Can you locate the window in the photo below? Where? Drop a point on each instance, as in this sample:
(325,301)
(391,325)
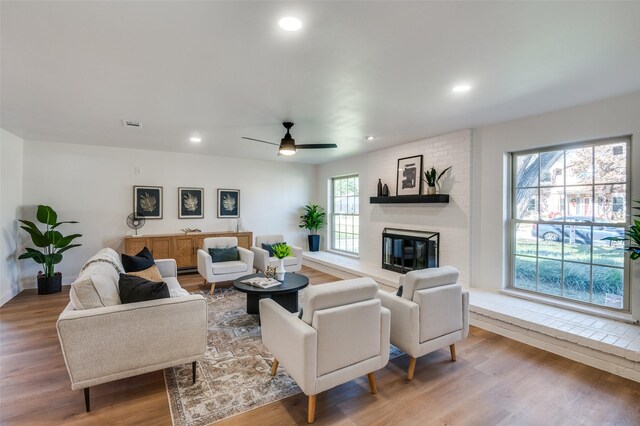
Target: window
(345,207)
(565,201)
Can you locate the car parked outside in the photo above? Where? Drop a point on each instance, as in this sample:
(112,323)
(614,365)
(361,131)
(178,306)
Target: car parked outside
(553,231)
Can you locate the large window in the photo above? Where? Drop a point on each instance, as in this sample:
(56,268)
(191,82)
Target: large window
(345,207)
(565,201)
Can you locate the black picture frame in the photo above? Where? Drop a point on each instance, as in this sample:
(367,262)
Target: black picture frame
(148,201)
(190,203)
(409,176)
(228,203)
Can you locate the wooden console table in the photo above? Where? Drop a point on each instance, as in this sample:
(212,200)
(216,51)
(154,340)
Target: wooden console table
(181,247)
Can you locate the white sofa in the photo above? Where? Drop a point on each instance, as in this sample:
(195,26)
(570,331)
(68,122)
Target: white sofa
(431,313)
(343,334)
(262,259)
(216,272)
(116,341)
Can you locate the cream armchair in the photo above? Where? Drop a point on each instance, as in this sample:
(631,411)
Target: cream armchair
(262,259)
(431,313)
(223,271)
(343,334)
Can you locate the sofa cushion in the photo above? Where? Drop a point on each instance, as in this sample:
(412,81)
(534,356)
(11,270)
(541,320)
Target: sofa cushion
(136,289)
(224,254)
(335,294)
(138,262)
(83,295)
(105,286)
(152,274)
(229,267)
(288,261)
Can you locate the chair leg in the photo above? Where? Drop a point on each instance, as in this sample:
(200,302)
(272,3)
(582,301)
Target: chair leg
(274,367)
(213,287)
(372,383)
(452,348)
(311,415)
(412,368)
(87,401)
(193,371)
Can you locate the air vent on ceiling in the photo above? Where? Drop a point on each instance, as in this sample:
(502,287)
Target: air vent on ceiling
(132,123)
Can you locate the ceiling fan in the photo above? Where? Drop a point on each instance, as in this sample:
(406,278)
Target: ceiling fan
(287,145)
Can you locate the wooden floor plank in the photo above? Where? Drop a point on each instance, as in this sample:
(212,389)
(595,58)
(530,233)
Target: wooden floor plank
(495,381)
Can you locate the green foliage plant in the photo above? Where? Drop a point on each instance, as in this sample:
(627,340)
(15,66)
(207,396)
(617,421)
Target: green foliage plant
(632,236)
(50,243)
(281,250)
(432,177)
(313,219)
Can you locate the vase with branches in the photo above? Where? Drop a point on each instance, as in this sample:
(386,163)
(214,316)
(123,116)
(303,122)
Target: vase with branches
(431,177)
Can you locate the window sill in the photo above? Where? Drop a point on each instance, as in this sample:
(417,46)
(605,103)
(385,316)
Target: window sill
(604,313)
(341,253)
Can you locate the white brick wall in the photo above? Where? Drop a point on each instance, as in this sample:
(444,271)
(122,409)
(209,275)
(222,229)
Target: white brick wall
(451,220)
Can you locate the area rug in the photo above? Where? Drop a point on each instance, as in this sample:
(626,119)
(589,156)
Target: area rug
(235,374)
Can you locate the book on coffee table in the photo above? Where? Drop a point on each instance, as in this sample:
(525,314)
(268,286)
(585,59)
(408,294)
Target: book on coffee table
(262,282)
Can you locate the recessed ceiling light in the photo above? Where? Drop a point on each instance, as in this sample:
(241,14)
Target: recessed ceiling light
(369,138)
(461,88)
(289,23)
(195,139)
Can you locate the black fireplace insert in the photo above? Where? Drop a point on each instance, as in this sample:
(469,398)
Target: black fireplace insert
(405,250)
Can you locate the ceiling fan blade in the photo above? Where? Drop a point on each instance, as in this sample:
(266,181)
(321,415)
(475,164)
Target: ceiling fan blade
(316,145)
(258,140)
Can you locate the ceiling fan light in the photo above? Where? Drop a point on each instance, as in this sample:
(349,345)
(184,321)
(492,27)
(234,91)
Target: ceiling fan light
(287,146)
(287,151)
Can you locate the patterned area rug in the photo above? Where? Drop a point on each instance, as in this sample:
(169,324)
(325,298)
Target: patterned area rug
(235,374)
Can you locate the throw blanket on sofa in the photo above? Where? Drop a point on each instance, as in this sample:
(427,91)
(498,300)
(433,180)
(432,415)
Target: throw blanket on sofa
(109,261)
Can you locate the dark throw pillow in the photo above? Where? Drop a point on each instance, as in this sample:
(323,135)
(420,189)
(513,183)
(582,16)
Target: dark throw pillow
(269,248)
(137,262)
(399,293)
(224,254)
(135,289)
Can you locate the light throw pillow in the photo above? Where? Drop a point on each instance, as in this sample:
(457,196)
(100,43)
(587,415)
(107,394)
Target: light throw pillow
(224,254)
(269,248)
(83,295)
(151,274)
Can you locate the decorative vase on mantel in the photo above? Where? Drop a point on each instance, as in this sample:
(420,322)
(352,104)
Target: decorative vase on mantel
(280,271)
(379,188)
(431,190)
(385,190)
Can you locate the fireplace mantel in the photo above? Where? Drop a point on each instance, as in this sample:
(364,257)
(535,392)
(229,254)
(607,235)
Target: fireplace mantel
(414,199)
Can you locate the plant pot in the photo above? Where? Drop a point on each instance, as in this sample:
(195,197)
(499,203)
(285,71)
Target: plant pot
(314,242)
(49,285)
(431,190)
(280,271)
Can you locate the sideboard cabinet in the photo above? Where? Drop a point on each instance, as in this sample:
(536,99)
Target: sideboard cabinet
(181,247)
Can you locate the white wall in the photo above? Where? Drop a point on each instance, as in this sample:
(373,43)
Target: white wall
(451,220)
(93,185)
(10,202)
(611,117)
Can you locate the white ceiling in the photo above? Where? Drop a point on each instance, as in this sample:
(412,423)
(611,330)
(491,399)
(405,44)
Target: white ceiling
(71,71)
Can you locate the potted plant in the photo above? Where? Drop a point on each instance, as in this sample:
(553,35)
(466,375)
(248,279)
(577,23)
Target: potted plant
(313,219)
(51,244)
(281,251)
(632,236)
(432,177)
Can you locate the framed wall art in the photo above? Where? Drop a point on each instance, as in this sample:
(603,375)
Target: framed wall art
(228,203)
(409,179)
(190,203)
(148,201)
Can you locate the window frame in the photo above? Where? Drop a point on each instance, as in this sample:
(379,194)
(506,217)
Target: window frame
(334,214)
(512,221)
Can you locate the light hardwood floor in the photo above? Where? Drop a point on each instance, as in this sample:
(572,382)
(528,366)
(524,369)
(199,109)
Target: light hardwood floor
(495,381)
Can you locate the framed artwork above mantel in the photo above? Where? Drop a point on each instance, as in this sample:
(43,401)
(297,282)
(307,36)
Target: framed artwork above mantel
(409,176)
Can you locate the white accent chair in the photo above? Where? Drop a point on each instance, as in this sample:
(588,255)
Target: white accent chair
(262,259)
(223,271)
(432,312)
(343,334)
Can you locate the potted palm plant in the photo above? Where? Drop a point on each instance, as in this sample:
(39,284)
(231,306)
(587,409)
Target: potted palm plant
(281,251)
(632,236)
(313,219)
(50,246)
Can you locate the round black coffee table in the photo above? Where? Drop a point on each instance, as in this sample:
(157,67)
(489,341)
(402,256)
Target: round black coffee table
(285,294)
